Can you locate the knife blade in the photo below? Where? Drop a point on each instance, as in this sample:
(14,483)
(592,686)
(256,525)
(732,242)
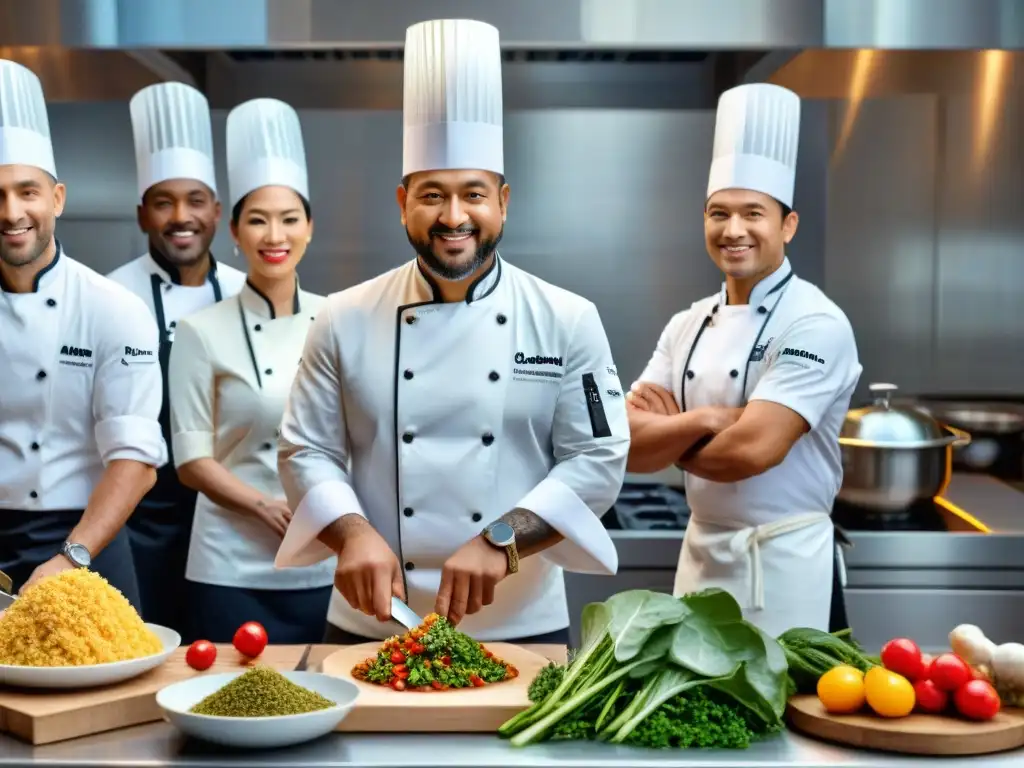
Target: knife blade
(404,615)
(7,597)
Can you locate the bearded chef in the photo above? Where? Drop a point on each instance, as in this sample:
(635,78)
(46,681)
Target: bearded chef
(753,384)
(79,432)
(178,211)
(456,428)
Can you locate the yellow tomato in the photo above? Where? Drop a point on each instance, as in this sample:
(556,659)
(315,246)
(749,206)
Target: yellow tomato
(887,693)
(841,689)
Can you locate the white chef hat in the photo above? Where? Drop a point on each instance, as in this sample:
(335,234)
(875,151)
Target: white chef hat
(24,125)
(173,135)
(452,110)
(757,132)
(264,147)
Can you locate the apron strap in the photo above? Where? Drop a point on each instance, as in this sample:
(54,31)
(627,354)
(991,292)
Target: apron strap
(749,540)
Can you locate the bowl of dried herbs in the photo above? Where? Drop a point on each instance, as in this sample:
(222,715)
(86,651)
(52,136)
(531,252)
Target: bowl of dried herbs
(258,708)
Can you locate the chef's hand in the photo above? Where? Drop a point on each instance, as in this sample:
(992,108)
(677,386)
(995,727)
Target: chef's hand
(275,513)
(468,579)
(51,567)
(652,398)
(368,573)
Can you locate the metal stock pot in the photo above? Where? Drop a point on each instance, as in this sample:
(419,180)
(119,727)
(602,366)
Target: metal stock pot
(894,457)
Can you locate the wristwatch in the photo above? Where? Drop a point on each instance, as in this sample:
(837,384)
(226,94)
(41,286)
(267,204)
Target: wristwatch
(78,554)
(501,535)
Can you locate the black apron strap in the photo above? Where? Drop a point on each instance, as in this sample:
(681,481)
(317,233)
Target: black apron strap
(838,619)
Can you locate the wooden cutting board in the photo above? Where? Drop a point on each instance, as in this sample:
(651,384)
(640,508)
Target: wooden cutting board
(43,717)
(381,709)
(916,734)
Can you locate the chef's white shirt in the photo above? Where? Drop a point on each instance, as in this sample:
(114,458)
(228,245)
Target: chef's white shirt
(805,359)
(433,419)
(231,368)
(81,386)
(176,300)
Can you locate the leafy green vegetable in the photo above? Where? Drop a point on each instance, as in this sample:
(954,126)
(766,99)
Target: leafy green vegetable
(655,670)
(810,653)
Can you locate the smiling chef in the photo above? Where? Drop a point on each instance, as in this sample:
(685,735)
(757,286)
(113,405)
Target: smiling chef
(765,369)
(79,431)
(178,211)
(457,427)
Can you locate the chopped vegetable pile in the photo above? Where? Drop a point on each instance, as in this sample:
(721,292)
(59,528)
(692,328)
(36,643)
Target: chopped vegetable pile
(261,692)
(434,656)
(660,671)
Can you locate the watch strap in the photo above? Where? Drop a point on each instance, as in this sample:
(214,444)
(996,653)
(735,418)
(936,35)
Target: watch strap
(513,558)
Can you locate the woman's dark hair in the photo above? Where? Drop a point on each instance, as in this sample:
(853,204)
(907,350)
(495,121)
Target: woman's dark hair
(236,212)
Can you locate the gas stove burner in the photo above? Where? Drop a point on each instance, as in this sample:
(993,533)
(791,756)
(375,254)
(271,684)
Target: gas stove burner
(925,516)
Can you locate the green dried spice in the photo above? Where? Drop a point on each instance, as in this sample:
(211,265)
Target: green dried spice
(261,692)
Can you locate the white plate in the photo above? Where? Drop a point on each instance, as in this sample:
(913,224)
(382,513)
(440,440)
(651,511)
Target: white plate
(256,732)
(91,675)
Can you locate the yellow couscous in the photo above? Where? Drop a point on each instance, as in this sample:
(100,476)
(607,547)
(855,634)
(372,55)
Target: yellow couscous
(73,619)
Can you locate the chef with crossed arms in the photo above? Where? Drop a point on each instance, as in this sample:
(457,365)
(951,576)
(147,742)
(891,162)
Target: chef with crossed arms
(747,389)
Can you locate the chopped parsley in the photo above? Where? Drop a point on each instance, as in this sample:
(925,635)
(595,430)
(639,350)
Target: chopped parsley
(434,656)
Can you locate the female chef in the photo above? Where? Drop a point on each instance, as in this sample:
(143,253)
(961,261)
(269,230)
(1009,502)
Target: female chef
(231,369)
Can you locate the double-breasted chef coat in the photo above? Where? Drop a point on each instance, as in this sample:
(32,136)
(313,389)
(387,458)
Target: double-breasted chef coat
(433,419)
(82,387)
(232,367)
(768,539)
(161,526)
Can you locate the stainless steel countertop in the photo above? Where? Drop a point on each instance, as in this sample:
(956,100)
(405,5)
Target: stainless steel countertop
(160,745)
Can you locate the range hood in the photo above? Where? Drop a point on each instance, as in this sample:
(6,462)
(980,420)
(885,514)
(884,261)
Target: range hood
(334,54)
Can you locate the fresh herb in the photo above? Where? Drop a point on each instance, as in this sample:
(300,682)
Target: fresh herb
(261,692)
(658,671)
(811,653)
(434,656)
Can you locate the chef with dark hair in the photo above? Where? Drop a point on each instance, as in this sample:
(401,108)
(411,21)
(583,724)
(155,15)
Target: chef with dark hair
(747,389)
(79,432)
(178,210)
(457,427)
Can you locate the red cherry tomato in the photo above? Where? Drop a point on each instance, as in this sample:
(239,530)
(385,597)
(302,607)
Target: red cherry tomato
(948,671)
(398,684)
(201,655)
(397,657)
(903,657)
(977,700)
(930,698)
(250,639)
(477,681)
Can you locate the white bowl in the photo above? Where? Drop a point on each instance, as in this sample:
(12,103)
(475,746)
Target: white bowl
(256,732)
(91,675)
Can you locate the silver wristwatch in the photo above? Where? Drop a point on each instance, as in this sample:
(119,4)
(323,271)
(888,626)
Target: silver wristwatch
(78,554)
(501,535)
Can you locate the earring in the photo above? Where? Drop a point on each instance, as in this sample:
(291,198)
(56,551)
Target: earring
(236,250)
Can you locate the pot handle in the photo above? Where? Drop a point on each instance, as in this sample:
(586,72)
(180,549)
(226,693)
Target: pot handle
(962,438)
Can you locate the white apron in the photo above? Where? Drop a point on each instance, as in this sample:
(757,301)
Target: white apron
(777,565)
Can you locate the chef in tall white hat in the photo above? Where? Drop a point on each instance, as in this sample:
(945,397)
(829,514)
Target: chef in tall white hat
(457,427)
(79,432)
(178,211)
(747,389)
(231,368)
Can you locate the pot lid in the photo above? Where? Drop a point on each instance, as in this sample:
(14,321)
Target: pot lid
(884,424)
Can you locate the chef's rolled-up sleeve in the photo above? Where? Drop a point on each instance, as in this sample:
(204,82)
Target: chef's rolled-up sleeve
(313,453)
(815,360)
(128,389)
(191,388)
(590,436)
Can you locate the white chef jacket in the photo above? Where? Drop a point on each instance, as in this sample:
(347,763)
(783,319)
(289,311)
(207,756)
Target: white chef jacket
(82,386)
(795,347)
(433,419)
(229,378)
(176,300)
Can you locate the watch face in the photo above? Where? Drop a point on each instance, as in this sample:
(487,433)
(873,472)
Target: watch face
(79,555)
(501,533)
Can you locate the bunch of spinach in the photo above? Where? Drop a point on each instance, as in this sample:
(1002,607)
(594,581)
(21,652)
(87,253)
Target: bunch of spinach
(645,658)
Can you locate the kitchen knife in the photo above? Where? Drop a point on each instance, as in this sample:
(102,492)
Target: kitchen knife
(404,615)
(6,591)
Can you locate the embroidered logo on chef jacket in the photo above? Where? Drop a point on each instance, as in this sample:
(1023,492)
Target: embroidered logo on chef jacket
(79,357)
(802,354)
(539,366)
(759,351)
(136,356)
